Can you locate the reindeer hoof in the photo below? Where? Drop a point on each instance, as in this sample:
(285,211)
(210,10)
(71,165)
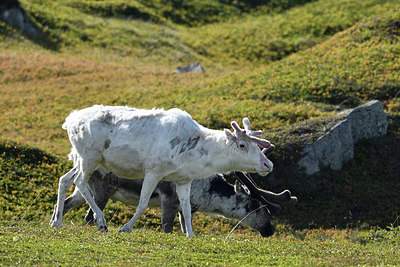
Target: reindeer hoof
(55,224)
(125,229)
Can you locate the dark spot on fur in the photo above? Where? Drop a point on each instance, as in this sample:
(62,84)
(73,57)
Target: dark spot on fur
(208,165)
(219,186)
(190,144)
(107,144)
(107,118)
(174,142)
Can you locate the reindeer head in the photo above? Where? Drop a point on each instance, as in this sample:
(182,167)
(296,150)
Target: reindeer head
(252,211)
(264,199)
(247,144)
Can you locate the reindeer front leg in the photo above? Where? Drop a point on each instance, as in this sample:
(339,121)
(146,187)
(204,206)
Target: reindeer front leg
(149,184)
(183,192)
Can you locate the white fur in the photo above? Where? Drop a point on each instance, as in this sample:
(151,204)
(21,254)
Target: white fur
(151,144)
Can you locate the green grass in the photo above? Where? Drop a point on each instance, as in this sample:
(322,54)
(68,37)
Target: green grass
(149,27)
(355,65)
(270,37)
(36,244)
(28,182)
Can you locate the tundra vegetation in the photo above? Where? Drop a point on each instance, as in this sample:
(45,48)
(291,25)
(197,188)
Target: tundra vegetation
(287,65)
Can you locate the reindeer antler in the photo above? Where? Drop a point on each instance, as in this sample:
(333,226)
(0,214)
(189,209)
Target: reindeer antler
(271,207)
(246,123)
(265,194)
(248,134)
(268,151)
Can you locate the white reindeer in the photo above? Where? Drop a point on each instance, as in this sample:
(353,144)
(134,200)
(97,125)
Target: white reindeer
(155,145)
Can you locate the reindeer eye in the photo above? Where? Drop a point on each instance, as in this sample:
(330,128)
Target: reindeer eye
(242,145)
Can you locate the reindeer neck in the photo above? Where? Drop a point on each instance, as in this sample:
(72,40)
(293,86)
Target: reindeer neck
(217,145)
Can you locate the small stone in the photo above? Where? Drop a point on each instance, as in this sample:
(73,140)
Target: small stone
(195,68)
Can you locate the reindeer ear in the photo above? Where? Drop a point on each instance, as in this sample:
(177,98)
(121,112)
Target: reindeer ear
(229,135)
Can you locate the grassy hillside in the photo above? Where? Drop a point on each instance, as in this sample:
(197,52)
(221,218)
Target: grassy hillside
(189,13)
(278,65)
(353,66)
(350,67)
(141,28)
(271,37)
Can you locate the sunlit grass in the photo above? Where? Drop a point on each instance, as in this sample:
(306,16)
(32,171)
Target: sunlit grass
(36,244)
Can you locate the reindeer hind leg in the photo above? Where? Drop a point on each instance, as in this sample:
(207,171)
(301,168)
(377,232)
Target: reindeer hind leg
(87,167)
(64,183)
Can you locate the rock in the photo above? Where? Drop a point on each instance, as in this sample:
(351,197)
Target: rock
(367,121)
(15,18)
(337,145)
(195,67)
